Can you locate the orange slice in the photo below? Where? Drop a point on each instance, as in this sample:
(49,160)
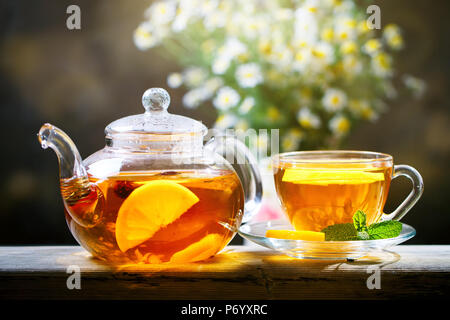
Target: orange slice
(199,250)
(150,208)
(296,235)
(331,176)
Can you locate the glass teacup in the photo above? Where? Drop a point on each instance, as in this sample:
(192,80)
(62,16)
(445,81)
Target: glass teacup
(321,188)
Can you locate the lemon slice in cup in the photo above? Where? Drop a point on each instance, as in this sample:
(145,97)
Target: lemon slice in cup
(296,235)
(331,176)
(150,208)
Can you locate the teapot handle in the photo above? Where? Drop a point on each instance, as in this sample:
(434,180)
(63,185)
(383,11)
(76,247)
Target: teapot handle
(246,167)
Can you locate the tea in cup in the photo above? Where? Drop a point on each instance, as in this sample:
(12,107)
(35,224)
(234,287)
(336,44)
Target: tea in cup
(321,188)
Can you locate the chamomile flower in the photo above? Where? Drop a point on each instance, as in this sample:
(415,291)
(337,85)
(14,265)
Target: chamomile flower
(312,6)
(345,29)
(281,56)
(307,119)
(349,47)
(194,76)
(351,65)
(292,139)
(221,65)
(175,80)
(225,121)
(391,30)
(339,125)
(372,47)
(306,29)
(192,99)
(334,100)
(322,55)
(213,84)
(215,20)
(208,7)
(273,114)
(226,98)
(393,36)
(396,42)
(356,105)
(363,109)
(254,26)
(242,125)
(363,28)
(208,46)
(416,85)
(382,64)
(161,12)
(145,37)
(282,14)
(185,11)
(343,6)
(305,95)
(327,34)
(181,21)
(246,105)
(232,48)
(302,59)
(265,47)
(369,114)
(249,75)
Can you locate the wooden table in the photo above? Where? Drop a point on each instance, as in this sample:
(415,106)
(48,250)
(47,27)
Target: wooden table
(239,272)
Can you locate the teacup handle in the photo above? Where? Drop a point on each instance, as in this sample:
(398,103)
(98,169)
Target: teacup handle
(417,182)
(246,167)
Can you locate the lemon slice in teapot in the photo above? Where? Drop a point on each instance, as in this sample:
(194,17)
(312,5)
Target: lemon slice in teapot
(150,208)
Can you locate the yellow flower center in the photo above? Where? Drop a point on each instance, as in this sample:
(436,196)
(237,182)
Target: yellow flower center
(343,125)
(327,34)
(335,100)
(273,113)
(299,56)
(305,122)
(162,9)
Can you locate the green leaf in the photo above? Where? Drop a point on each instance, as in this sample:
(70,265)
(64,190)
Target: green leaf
(359,221)
(384,230)
(340,232)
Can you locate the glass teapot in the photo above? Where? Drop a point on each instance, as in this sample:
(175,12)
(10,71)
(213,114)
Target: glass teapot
(155,193)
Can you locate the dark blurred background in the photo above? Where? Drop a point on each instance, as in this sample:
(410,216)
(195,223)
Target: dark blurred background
(82,80)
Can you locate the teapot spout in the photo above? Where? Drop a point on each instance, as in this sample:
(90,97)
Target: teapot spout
(70,163)
(83,200)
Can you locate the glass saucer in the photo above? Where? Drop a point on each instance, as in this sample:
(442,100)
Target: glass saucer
(329,250)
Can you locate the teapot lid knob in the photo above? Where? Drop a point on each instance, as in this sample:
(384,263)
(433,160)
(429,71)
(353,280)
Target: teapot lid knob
(155,99)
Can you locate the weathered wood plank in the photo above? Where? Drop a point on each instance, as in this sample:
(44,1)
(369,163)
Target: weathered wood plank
(240,272)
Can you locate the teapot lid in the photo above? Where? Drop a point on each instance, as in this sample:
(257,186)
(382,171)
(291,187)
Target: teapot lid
(156,120)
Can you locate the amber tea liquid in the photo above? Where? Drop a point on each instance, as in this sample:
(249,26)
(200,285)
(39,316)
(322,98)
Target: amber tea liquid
(202,231)
(315,196)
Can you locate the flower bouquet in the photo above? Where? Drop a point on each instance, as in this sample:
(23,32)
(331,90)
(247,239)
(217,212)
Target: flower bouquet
(313,69)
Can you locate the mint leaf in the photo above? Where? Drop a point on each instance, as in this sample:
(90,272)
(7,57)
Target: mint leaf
(358,230)
(340,232)
(384,230)
(359,221)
